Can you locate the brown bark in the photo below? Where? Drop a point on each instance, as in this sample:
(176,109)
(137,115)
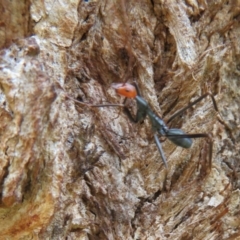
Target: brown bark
(69,171)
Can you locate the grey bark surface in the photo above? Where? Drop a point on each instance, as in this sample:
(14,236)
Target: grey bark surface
(70,171)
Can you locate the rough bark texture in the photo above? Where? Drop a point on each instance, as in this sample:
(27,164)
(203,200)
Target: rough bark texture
(69,171)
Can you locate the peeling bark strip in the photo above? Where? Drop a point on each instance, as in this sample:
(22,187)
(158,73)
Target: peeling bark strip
(68,171)
(181,28)
(26,93)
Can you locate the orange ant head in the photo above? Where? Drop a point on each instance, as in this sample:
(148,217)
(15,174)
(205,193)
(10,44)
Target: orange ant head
(125,89)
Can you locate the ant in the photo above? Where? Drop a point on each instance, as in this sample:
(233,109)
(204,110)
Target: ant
(175,135)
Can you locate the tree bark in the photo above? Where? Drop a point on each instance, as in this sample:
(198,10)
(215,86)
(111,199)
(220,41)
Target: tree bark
(72,171)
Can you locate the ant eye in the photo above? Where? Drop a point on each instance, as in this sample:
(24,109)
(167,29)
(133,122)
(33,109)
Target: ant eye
(127,89)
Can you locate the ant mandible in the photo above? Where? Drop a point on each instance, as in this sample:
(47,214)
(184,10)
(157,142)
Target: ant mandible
(175,135)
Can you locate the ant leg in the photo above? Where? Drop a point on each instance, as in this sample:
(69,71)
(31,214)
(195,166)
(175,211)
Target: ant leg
(128,113)
(193,103)
(194,135)
(96,105)
(141,113)
(159,146)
